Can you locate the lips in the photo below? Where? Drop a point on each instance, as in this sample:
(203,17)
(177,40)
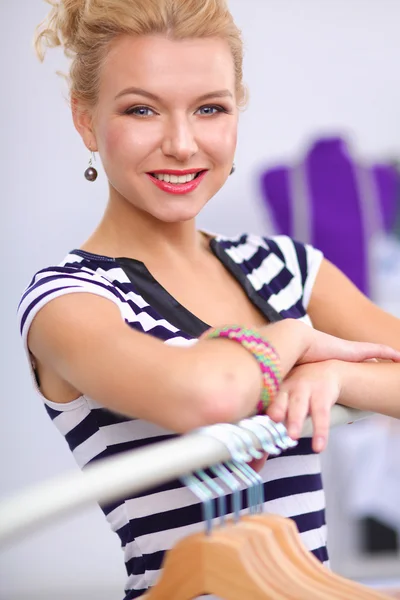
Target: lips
(175,172)
(178,188)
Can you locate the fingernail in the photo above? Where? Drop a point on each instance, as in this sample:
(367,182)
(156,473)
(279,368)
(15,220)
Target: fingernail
(294,431)
(319,444)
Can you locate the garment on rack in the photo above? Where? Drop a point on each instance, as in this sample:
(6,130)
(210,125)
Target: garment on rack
(396,226)
(278,276)
(335,203)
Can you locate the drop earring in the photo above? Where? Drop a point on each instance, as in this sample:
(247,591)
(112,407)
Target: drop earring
(91,173)
(233,169)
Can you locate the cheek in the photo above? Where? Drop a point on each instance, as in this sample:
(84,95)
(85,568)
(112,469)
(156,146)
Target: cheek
(123,144)
(220,141)
(118,143)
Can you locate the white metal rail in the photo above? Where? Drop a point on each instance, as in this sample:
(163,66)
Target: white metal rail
(129,473)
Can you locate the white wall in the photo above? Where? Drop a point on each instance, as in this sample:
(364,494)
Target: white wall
(311,65)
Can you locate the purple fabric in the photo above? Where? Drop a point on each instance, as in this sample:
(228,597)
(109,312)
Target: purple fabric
(337,225)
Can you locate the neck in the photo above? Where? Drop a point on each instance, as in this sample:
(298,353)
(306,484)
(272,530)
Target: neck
(127,231)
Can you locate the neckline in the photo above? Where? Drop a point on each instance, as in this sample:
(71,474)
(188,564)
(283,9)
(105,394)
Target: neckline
(167,307)
(85,254)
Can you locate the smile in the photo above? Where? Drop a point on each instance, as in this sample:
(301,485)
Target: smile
(177,182)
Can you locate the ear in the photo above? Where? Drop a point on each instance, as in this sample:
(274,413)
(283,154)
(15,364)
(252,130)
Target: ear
(83,121)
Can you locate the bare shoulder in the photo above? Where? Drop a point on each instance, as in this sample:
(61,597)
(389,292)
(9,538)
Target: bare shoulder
(56,333)
(86,348)
(62,324)
(79,344)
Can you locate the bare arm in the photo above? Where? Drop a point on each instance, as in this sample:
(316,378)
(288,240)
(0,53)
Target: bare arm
(370,386)
(338,308)
(84,340)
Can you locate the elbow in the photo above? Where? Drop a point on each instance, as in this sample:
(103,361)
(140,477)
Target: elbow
(221,388)
(205,407)
(218,404)
(200,413)
(219,407)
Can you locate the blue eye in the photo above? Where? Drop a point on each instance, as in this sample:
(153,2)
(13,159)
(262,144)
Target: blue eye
(140,111)
(211,110)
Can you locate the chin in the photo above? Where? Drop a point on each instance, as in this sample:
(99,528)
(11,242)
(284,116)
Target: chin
(178,212)
(176,216)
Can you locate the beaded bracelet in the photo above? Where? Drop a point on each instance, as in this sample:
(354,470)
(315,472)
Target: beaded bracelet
(263,352)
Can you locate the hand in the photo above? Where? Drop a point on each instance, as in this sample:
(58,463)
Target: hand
(297,343)
(323,346)
(309,389)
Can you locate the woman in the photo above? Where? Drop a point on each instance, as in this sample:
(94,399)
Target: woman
(156,88)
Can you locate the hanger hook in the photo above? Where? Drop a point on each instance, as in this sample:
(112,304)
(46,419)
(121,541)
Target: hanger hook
(253,482)
(218,490)
(203,493)
(238,452)
(239,468)
(223,433)
(259,488)
(246,439)
(278,431)
(281,429)
(233,486)
(263,436)
(238,449)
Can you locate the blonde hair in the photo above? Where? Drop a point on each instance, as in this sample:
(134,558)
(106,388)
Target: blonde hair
(87,28)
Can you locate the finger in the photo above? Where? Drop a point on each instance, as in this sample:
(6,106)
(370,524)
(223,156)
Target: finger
(278,408)
(363,351)
(298,409)
(320,411)
(258,463)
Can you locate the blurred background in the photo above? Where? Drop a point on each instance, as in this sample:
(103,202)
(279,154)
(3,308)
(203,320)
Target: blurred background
(318,158)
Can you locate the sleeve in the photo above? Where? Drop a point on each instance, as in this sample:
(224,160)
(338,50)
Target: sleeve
(302,260)
(314,258)
(54,282)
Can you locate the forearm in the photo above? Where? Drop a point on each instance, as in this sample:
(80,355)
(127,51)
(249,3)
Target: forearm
(291,340)
(371,386)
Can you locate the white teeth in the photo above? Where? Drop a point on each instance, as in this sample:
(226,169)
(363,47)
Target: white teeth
(185,178)
(175,178)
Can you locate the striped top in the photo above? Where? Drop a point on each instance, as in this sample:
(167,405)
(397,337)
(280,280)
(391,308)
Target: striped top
(277,275)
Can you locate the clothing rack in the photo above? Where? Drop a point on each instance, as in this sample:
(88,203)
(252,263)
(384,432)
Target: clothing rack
(130,473)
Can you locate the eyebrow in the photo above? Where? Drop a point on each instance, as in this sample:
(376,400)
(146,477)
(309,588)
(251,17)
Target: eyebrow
(141,92)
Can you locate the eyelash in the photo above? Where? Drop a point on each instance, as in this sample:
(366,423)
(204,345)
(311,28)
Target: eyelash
(131,111)
(219,109)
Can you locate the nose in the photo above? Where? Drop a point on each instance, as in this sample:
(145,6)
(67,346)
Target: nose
(179,140)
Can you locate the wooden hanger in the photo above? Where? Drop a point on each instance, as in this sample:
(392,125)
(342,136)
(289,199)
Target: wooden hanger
(260,558)
(290,542)
(224,564)
(279,573)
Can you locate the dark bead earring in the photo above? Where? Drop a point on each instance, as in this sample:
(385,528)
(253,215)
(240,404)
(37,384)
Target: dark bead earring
(91,173)
(233,169)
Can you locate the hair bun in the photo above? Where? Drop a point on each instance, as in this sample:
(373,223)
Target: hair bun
(60,27)
(87,28)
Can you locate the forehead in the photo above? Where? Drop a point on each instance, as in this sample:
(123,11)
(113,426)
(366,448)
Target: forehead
(176,69)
